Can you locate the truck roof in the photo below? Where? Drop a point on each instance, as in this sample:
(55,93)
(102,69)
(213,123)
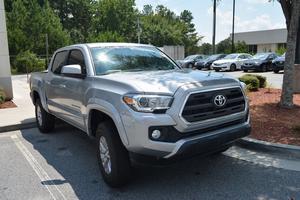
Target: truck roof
(110,44)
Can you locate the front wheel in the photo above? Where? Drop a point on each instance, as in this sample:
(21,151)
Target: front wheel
(45,121)
(232,67)
(113,158)
(190,66)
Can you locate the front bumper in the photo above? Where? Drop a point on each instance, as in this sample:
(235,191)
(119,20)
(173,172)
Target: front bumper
(251,67)
(221,67)
(210,142)
(277,67)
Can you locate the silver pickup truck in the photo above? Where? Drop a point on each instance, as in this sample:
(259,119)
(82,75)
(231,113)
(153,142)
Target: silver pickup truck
(137,102)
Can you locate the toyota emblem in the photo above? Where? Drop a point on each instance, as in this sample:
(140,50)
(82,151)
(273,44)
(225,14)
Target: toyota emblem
(220,100)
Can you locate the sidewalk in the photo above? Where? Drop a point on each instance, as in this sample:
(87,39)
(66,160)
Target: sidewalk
(23,114)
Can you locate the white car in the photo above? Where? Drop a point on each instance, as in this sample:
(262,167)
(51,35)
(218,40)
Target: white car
(231,62)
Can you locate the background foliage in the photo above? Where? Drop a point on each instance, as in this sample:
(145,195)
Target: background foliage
(79,21)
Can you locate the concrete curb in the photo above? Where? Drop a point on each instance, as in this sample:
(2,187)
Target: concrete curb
(268,147)
(16,127)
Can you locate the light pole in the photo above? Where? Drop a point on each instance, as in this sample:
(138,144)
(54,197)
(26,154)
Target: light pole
(214,27)
(233,21)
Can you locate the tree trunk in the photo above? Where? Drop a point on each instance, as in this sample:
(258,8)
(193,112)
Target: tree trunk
(287,86)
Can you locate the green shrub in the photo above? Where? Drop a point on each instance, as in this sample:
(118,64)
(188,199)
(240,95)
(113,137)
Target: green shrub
(252,82)
(262,80)
(2,95)
(28,62)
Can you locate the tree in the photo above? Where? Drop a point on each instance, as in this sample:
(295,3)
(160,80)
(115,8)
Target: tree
(291,10)
(118,16)
(75,16)
(206,48)
(27,25)
(224,46)
(240,47)
(191,37)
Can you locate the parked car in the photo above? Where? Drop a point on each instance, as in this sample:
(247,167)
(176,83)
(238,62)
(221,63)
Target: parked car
(136,103)
(278,63)
(207,62)
(189,62)
(231,62)
(260,62)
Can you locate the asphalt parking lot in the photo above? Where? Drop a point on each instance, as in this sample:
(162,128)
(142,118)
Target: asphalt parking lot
(274,80)
(62,165)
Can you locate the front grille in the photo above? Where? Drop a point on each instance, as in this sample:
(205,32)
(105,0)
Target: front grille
(248,64)
(200,106)
(279,63)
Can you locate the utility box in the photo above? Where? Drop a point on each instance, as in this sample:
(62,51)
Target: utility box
(175,52)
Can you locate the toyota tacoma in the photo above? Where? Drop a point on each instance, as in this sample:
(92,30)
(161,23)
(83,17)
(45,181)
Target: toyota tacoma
(135,101)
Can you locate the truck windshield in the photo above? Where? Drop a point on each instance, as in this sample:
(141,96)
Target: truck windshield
(116,59)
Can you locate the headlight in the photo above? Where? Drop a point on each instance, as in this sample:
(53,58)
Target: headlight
(148,103)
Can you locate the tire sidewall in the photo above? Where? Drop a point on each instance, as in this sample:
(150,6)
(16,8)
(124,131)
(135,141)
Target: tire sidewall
(116,177)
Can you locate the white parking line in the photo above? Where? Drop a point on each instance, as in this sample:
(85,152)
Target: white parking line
(42,174)
(262,159)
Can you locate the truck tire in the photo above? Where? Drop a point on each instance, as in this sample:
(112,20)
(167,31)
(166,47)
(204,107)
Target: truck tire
(113,158)
(44,120)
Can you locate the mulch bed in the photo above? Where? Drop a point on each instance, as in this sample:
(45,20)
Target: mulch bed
(7,104)
(272,123)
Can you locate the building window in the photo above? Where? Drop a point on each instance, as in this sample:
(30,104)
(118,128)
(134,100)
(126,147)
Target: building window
(252,49)
(281,45)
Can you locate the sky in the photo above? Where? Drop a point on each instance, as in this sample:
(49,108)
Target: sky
(251,15)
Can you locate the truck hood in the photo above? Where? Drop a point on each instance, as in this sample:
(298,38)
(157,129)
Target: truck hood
(168,81)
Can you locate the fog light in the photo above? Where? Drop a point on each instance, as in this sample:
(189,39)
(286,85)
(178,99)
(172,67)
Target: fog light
(155,134)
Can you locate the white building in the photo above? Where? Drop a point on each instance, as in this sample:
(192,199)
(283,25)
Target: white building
(263,41)
(5,75)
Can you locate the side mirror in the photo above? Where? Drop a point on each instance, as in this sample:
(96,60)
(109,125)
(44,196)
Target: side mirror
(72,71)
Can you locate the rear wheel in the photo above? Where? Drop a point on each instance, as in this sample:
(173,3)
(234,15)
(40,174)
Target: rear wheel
(232,67)
(113,158)
(45,121)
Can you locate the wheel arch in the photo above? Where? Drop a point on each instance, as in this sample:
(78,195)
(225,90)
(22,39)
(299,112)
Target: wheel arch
(98,113)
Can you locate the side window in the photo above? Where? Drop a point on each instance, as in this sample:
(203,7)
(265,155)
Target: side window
(241,57)
(59,61)
(76,58)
